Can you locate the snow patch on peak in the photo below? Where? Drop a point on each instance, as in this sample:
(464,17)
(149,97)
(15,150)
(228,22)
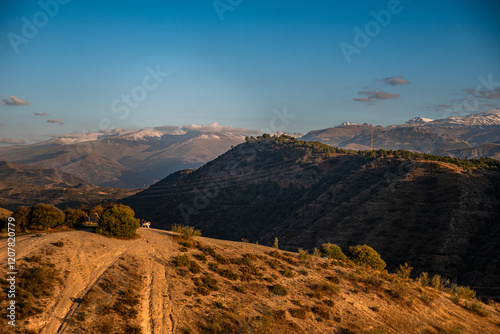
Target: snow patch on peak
(208,136)
(142,134)
(345,124)
(419,120)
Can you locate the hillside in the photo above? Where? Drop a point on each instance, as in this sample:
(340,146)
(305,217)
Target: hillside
(431,213)
(29,185)
(157,283)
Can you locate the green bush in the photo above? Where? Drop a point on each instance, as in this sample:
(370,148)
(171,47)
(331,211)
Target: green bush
(299,313)
(182,261)
(475,306)
(74,218)
(186,232)
(424,278)
(46,216)
(118,221)
(366,256)
(279,290)
(332,251)
(460,292)
(404,271)
(21,215)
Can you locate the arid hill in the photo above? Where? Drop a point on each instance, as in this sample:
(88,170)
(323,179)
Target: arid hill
(81,282)
(439,214)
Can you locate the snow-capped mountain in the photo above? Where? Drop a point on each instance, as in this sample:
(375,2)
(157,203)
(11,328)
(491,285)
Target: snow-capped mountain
(126,158)
(345,124)
(418,121)
(455,136)
(490,118)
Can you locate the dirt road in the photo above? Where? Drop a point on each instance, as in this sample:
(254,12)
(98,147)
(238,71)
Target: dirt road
(85,258)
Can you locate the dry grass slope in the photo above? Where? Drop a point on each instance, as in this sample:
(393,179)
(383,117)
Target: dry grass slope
(161,283)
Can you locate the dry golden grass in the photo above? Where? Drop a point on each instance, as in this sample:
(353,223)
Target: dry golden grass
(152,287)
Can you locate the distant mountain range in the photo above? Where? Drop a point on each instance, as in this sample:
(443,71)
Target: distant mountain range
(138,158)
(470,136)
(127,159)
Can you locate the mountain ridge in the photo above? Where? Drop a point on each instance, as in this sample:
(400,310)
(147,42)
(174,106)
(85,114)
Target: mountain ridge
(138,157)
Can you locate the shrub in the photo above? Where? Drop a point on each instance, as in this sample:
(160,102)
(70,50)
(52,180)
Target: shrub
(185,231)
(329,302)
(214,266)
(240,288)
(437,282)
(228,273)
(279,314)
(210,282)
(298,313)
(74,218)
(332,251)
(273,264)
(475,306)
(366,256)
(303,272)
(202,257)
(202,290)
(182,261)
(194,267)
(404,270)
(275,244)
(278,289)
(303,255)
(460,292)
(59,244)
(21,215)
(424,279)
(118,221)
(398,289)
(323,288)
(46,216)
(288,273)
(333,279)
(96,211)
(219,305)
(321,312)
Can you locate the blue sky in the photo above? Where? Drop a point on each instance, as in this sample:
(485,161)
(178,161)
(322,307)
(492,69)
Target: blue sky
(85,56)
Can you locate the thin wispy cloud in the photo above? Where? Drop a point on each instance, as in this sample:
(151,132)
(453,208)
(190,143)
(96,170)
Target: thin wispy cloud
(372,95)
(458,106)
(11,141)
(41,114)
(14,101)
(492,94)
(55,121)
(216,127)
(395,80)
(362,99)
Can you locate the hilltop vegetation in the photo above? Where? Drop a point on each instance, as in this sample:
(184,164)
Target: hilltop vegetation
(308,193)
